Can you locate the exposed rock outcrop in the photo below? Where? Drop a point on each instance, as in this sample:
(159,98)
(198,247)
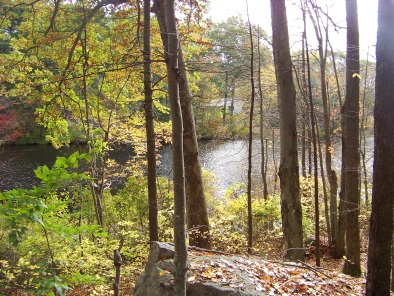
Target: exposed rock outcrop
(210,274)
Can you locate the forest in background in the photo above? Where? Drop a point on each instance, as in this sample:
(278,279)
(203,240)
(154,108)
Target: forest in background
(99,73)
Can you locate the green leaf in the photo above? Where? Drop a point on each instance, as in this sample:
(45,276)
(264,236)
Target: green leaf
(37,219)
(61,162)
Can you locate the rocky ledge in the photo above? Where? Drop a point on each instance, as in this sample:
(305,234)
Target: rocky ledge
(210,273)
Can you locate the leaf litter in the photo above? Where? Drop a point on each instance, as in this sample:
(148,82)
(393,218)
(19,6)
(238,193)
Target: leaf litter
(272,277)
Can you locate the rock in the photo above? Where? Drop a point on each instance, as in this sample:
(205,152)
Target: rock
(210,274)
(156,280)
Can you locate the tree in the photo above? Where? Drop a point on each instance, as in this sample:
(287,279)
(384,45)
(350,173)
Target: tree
(381,223)
(230,53)
(250,140)
(313,126)
(350,142)
(264,147)
(197,215)
(150,129)
(321,31)
(177,150)
(82,88)
(288,171)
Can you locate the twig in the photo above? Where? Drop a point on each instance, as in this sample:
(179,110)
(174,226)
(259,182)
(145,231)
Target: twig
(208,251)
(314,269)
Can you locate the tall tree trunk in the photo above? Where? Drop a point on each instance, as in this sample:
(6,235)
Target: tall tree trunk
(177,150)
(288,171)
(302,85)
(363,139)
(196,209)
(323,178)
(337,220)
(150,130)
(97,168)
(250,143)
(262,144)
(315,174)
(197,214)
(350,149)
(381,223)
(327,133)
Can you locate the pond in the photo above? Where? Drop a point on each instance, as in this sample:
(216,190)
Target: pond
(226,159)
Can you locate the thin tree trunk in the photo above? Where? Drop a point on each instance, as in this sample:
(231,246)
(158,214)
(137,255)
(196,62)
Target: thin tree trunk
(337,214)
(250,143)
(327,133)
(262,149)
(381,223)
(302,87)
(363,140)
(323,178)
(316,181)
(274,161)
(177,150)
(150,130)
(288,172)
(96,165)
(303,145)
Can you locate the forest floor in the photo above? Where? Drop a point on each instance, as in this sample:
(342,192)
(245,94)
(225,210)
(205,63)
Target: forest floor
(270,275)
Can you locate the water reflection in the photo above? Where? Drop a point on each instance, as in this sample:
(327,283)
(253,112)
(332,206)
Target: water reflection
(226,159)
(17,163)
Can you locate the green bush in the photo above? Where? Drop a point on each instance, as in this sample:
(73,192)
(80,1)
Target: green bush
(230,228)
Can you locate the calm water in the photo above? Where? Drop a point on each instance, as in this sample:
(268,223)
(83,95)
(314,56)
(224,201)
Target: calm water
(226,159)
(17,163)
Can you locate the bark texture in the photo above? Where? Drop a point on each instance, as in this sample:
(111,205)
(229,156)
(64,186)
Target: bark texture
(350,149)
(381,223)
(196,209)
(288,171)
(150,130)
(177,152)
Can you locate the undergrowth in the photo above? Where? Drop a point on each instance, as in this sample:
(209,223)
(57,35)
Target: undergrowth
(50,244)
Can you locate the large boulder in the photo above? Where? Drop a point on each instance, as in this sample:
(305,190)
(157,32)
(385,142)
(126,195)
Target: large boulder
(209,274)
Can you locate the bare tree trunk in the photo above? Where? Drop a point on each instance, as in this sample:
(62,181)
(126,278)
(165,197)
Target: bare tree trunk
(177,150)
(363,140)
(381,223)
(337,214)
(303,145)
(262,149)
(197,214)
(150,130)
(316,181)
(196,208)
(288,172)
(350,149)
(250,143)
(327,133)
(323,178)
(274,161)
